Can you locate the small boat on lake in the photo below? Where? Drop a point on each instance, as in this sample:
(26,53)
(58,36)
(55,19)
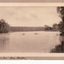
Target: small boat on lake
(36,33)
(23,34)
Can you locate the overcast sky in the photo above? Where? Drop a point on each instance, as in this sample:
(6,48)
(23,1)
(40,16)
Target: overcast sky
(30,16)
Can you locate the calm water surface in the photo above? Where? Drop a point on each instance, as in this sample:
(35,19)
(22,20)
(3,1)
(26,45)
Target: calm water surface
(41,42)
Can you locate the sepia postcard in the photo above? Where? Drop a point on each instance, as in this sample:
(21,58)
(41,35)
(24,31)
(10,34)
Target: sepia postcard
(32,31)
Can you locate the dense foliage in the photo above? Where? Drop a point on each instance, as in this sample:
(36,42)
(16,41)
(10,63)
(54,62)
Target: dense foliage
(4,27)
(60,11)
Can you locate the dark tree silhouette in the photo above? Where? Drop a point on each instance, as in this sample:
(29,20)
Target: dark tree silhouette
(4,27)
(60,11)
(55,26)
(60,48)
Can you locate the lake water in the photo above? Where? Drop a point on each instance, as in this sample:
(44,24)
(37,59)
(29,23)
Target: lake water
(36,42)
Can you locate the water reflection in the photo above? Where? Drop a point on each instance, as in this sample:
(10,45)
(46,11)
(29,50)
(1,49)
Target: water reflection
(59,48)
(43,42)
(4,40)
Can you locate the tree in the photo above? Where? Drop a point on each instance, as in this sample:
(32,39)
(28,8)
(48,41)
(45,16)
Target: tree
(46,27)
(55,26)
(60,11)
(4,27)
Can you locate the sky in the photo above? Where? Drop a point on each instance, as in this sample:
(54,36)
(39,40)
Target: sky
(30,16)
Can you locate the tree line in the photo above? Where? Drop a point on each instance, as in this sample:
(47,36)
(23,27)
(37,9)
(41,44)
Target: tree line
(5,28)
(43,28)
